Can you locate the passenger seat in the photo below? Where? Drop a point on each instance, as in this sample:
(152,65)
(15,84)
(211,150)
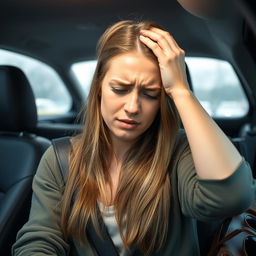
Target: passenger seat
(20,152)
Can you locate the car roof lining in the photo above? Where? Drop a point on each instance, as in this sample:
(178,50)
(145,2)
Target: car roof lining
(46,27)
(62,32)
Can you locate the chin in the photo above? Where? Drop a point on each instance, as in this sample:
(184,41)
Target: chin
(127,137)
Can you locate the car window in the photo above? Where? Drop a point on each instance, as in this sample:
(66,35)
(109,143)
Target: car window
(217,87)
(50,92)
(214,81)
(83,72)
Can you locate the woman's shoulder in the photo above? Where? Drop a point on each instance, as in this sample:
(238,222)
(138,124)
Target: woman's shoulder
(50,155)
(48,158)
(48,168)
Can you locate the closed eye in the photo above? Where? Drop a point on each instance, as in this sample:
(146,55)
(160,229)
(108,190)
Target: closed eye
(150,93)
(120,91)
(145,93)
(153,97)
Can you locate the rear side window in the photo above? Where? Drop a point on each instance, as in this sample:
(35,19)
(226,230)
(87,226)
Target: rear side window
(52,97)
(83,72)
(214,82)
(217,87)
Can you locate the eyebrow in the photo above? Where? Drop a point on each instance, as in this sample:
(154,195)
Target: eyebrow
(115,82)
(144,86)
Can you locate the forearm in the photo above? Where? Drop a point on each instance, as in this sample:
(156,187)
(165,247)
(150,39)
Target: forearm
(214,155)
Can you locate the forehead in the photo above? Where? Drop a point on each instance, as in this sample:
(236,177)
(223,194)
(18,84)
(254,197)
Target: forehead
(133,66)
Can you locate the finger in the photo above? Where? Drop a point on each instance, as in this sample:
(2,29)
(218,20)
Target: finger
(152,45)
(168,37)
(174,46)
(162,42)
(166,34)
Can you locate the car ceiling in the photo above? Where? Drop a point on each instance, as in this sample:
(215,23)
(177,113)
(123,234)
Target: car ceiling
(61,32)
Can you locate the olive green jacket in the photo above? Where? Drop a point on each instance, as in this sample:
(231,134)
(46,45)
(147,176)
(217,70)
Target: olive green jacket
(192,199)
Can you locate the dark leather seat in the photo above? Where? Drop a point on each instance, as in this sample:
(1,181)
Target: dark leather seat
(246,145)
(20,152)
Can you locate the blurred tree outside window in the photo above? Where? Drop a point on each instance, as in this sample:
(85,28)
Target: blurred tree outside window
(214,83)
(51,95)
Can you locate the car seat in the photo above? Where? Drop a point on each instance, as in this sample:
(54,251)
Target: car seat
(20,152)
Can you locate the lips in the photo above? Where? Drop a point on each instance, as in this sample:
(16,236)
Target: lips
(128,121)
(127,124)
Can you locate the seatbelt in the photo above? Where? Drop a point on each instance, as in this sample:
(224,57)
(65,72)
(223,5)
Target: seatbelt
(105,246)
(61,148)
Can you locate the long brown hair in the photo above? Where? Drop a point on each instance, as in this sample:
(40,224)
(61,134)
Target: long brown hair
(142,200)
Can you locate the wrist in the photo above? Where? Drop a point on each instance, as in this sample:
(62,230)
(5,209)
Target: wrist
(180,93)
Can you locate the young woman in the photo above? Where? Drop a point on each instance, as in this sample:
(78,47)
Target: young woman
(132,168)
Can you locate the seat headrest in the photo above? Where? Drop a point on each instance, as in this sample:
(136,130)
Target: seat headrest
(17,102)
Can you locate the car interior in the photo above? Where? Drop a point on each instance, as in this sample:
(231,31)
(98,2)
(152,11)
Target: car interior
(63,33)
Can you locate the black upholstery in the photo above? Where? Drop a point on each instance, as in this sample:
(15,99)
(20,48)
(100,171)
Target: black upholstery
(20,152)
(247,147)
(17,103)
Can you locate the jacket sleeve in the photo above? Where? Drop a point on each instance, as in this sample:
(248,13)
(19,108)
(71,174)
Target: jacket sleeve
(42,235)
(208,200)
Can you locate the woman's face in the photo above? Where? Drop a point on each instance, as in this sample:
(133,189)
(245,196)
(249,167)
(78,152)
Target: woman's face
(130,95)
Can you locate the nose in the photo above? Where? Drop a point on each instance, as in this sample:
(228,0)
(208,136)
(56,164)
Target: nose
(132,105)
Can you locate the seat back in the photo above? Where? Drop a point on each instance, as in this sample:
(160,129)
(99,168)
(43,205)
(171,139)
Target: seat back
(20,152)
(247,147)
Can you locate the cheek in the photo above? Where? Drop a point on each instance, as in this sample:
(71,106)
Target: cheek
(103,105)
(108,103)
(151,111)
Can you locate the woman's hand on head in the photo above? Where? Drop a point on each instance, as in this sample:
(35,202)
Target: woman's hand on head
(170,58)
